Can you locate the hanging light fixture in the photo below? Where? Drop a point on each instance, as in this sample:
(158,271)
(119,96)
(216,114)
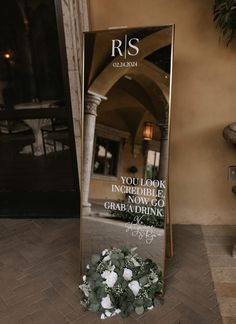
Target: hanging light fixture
(7,55)
(148,131)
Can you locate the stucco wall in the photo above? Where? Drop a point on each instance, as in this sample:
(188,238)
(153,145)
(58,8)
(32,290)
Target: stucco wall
(203,102)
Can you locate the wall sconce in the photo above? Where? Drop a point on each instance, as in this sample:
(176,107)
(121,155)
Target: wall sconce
(148,131)
(7,55)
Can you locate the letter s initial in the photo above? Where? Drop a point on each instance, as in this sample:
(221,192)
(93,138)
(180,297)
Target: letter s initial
(135,50)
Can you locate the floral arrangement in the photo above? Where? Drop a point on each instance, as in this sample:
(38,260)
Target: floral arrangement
(120,281)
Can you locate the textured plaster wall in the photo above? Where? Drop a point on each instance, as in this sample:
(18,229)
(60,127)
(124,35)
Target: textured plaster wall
(204,101)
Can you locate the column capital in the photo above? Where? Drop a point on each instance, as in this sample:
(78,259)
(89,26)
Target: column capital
(91,104)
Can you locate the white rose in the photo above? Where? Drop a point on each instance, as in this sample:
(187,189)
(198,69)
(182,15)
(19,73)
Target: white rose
(117,311)
(150,308)
(103,316)
(111,280)
(105,274)
(108,313)
(106,302)
(87,266)
(127,274)
(84,278)
(107,258)
(134,286)
(104,252)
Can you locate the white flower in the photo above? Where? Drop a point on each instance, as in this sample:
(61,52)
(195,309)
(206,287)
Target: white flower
(134,286)
(117,311)
(127,274)
(106,302)
(135,262)
(108,313)
(112,268)
(107,258)
(87,266)
(155,280)
(104,252)
(105,274)
(111,278)
(84,278)
(85,289)
(150,308)
(103,316)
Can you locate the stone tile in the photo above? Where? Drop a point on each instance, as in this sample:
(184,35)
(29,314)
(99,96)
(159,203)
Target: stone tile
(219,243)
(44,289)
(229,320)
(171,317)
(224,289)
(219,230)
(224,239)
(57,301)
(224,274)
(225,261)
(219,249)
(228,306)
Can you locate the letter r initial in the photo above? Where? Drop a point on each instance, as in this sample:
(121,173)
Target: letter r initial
(116,44)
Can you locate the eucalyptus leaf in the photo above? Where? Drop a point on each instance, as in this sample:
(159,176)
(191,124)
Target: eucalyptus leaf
(157,302)
(95,259)
(139,310)
(94,307)
(95,276)
(143,280)
(139,302)
(124,284)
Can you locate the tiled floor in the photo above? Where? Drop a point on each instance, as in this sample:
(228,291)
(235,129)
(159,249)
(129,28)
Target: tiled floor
(39,263)
(219,241)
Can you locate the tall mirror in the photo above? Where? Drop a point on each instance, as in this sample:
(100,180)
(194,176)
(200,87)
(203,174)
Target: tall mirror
(127,81)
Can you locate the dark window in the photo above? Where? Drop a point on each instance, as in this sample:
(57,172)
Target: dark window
(152,165)
(106,156)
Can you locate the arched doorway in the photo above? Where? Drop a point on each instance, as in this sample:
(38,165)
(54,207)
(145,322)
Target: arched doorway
(38,175)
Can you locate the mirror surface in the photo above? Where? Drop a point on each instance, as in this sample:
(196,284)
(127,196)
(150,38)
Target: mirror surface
(127,78)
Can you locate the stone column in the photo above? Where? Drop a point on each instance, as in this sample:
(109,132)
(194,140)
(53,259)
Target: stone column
(90,114)
(75,21)
(163,173)
(164,146)
(164,152)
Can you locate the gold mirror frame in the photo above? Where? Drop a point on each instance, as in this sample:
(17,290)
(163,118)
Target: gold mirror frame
(115,67)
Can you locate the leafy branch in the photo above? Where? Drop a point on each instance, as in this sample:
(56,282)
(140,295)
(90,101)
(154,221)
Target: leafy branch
(225,18)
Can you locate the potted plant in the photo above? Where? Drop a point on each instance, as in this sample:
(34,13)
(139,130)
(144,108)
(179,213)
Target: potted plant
(225,18)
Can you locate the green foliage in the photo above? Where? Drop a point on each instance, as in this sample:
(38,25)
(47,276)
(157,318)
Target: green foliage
(148,220)
(99,295)
(225,18)
(139,310)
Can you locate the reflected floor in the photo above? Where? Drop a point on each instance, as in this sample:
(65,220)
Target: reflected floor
(102,233)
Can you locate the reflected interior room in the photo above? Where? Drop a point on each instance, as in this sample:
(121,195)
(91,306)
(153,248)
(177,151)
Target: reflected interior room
(38,174)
